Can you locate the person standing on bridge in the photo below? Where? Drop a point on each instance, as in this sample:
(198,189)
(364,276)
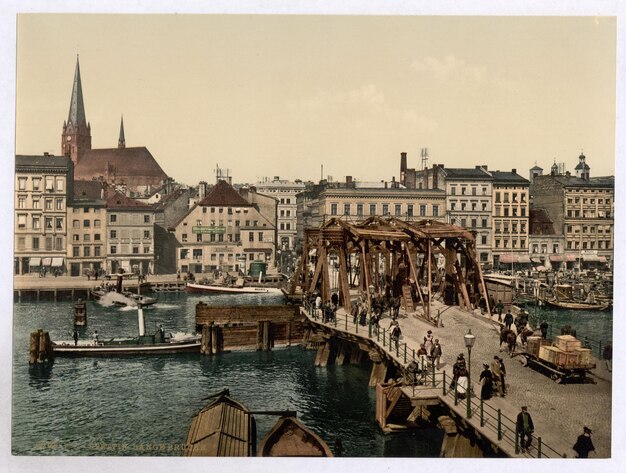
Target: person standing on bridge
(486,380)
(525,428)
(508,319)
(318,306)
(583,444)
(499,309)
(435,354)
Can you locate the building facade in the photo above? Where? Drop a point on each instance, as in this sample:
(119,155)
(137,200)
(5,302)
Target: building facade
(87,233)
(510,218)
(223,232)
(42,186)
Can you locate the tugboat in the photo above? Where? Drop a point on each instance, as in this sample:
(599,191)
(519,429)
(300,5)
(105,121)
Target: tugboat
(158,343)
(119,297)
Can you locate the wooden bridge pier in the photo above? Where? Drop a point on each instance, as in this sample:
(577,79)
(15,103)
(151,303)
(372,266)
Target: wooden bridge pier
(40,349)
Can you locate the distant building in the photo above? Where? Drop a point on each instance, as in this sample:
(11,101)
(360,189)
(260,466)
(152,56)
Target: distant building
(133,167)
(87,232)
(130,226)
(582,209)
(546,245)
(43,188)
(223,232)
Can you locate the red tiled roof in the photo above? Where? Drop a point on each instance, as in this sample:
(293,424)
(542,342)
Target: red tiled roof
(224,195)
(117,200)
(135,166)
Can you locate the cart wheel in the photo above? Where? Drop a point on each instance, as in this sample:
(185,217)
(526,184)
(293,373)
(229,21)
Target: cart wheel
(523,360)
(554,377)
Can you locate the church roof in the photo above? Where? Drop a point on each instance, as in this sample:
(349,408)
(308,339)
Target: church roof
(224,195)
(536,168)
(582,165)
(76,115)
(87,190)
(135,166)
(118,201)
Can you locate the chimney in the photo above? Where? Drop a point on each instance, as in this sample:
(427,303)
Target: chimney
(568,174)
(435,176)
(514,171)
(402,162)
(348,181)
(45,153)
(202,190)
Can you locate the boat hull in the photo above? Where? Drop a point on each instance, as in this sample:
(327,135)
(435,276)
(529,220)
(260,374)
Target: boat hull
(290,438)
(109,349)
(576,305)
(232,290)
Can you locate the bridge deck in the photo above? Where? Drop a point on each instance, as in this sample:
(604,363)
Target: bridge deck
(559,411)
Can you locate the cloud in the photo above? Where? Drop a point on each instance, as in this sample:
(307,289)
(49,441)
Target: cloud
(450,68)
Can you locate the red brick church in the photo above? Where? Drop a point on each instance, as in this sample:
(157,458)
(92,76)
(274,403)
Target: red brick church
(134,167)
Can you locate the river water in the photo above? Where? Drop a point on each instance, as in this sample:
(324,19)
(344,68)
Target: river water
(143,405)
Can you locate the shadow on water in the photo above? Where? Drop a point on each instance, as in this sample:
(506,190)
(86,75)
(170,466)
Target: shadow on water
(40,375)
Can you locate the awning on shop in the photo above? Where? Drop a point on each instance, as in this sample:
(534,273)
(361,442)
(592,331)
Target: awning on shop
(46,261)
(602,259)
(591,258)
(571,258)
(537,260)
(508,259)
(35,262)
(257,250)
(523,259)
(57,262)
(557,258)
(541,268)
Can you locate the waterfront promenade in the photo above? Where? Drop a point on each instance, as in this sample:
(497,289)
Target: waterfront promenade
(559,411)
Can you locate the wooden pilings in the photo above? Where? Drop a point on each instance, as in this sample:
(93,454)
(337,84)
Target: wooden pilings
(264,335)
(211,340)
(40,349)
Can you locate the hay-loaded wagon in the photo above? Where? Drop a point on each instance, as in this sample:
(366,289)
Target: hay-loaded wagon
(564,360)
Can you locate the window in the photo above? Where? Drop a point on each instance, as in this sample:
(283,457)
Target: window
(484,223)
(146,249)
(473,191)
(48,204)
(48,243)
(220,237)
(435,211)
(483,239)
(422,210)
(86,223)
(385,209)
(506,211)
(96,223)
(484,206)
(463,222)
(36,183)
(497,197)
(35,203)
(463,205)
(463,189)
(59,204)
(212,237)
(346,209)
(146,218)
(372,209)
(473,205)
(184,237)
(60,184)
(48,223)
(484,191)
(359,210)
(473,223)
(96,250)
(260,236)
(398,209)
(197,253)
(523,211)
(113,234)
(409,210)
(198,237)
(452,190)
(146,234)
(76,251)
(75,237)
(35,223)
(282,226)
(333,209)
(112,218)
(87,251)
(35,243)
(49,184)
(184,253)
(21,202)
(21,183)
(113,249)
(86,237)
(251,236)
(453,206)
(135,250)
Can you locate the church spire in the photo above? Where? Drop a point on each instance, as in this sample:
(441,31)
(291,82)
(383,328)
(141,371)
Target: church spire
(121,142)
(77,107)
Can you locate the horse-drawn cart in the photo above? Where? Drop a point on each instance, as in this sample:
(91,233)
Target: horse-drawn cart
(563,361)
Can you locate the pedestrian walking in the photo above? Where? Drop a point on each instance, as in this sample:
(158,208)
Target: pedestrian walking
(436,353)
(499,309)
(525,428)
(486,380)
(502,375)
(428,344)
(508,319)
(583,444)
(95,337)
(456,369)
(497,378)
(395,334)
(75,335)
(318,306)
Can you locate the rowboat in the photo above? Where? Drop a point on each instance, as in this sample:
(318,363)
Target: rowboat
(223,428)
(290,438)
(216,289)
(577,305)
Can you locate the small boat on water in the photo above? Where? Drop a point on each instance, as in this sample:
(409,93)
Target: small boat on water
(576,305)
(157,344)
(122,299)
(217,289)
(291,438)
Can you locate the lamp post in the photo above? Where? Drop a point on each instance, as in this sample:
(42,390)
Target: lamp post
(469,343)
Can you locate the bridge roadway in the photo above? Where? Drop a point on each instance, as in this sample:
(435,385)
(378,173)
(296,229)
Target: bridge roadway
(559,411)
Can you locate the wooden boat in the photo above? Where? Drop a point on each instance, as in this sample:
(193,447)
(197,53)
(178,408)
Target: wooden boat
(223,428)
(290,438)
(216,289)
(156,344)
(577,305)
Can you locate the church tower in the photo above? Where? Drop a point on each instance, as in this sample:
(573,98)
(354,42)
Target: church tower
(121,141)
(76,137)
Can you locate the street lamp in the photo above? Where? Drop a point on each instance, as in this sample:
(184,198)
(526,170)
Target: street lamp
(469,343)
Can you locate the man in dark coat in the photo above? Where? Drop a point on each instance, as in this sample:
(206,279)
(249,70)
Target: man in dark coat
(583,444)
(544,329)
(525,428)
(486,379)
(508,319)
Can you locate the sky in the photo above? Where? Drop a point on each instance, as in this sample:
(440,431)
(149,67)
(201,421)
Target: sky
(283,96)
